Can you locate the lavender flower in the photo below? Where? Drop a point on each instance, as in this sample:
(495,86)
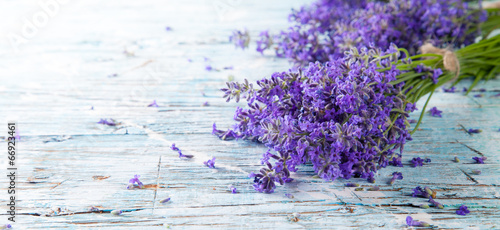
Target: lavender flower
(411,222)
(474,130)
(425,192)
(462,210)
(290,196)
(165,200)
(240,39)
(352,185)
(478,95)
(116,212)
(395,176)
(450,90)
(324,30)
(435,203)
(343,116)
(396,161)
(153,104)
(480,160)
(417,162)
(208,68)
(181,155)
(435,112)
(265,41)
(105,121)
(210,163)
(133,181)
(233,189)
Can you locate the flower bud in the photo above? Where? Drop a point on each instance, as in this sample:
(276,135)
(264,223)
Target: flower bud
(116,212)
(165,200)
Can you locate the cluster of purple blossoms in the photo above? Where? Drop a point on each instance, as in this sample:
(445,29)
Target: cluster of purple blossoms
(435,112)
(326,29)
(345,117)
(210,163)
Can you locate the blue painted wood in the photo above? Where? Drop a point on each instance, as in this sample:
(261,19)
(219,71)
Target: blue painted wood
(68,163)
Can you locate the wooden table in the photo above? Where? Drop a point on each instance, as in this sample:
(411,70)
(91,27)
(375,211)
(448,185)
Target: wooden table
(118,57)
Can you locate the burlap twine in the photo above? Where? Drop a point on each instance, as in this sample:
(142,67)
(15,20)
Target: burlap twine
(450,60)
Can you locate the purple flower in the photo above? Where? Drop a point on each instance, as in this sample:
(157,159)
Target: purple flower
(411,222)
(240,39)
(478,95)
(435,112)
(265,42)
(496,95)
(153,104)
(474,130)
(462,210)
(450,90)
(208,68)
(233,189)
(116,212)
(210,163)
(290,196)
(168,28)
(395,176)
(396,161)
(435,75)
(133,181)
(480,160)
(325,29)
(417,162)
(344,117)
(228,67)
(173,147)
(165,200)
(181,155)
(105,121)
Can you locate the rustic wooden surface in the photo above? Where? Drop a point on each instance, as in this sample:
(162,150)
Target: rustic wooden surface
(77,61)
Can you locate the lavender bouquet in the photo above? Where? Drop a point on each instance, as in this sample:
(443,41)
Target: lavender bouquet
(326,29)
(347,117)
